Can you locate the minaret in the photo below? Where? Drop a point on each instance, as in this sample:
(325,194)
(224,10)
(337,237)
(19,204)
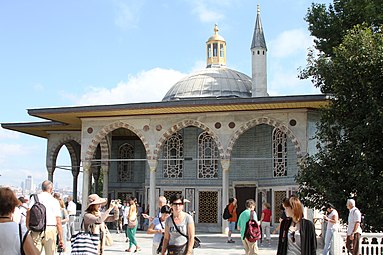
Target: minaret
(215,50)
(258,59)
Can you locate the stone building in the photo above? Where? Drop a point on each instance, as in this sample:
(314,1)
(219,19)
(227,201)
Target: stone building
(216,134)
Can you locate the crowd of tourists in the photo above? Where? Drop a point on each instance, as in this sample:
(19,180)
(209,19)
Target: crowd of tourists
(45,222)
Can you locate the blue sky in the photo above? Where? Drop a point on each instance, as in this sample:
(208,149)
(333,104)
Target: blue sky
(67,53)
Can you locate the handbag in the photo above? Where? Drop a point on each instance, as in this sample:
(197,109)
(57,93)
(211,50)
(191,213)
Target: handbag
(132,223)
(197,241)
(176,249)
(84,243)
(108,237)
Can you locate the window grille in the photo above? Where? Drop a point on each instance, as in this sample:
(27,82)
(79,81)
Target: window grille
(208,207)
(125,168)
(208,157)
(173,155)
(279,153)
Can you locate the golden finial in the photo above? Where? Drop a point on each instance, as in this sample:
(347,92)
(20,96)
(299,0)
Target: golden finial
(216,29)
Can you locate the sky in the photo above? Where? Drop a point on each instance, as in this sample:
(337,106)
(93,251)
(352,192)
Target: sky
(70,53)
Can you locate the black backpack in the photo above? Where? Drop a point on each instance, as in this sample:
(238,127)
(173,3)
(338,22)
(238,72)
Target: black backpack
(253,231)
(37,216)
(226,214)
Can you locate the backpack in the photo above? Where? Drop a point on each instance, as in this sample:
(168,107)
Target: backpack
(37,216)
(226,214)
(253,231)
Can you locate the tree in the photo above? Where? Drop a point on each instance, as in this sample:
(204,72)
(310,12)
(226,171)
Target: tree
(349,68)
(330,25)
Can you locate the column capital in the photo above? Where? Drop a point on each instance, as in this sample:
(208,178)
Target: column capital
(104,169)
(225,163)
(152,164)
(87,166)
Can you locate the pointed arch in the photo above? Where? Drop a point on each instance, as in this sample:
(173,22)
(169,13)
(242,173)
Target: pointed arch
(183,124)
(109,128)
(72,143)
(269,121)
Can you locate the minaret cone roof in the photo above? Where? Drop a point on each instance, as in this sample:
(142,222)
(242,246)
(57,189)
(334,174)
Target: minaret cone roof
(258,36)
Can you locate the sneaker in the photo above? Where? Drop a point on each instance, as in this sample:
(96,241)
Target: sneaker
(231,241)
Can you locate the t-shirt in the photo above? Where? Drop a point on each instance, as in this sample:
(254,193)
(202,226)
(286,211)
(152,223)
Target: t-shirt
(52,207)
(71,208)
(158,225)
(175,237)
(244,217)
(10,239)
(353,217)
(233,212)
(266,215)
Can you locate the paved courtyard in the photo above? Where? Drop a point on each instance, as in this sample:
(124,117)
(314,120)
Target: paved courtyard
(212,244)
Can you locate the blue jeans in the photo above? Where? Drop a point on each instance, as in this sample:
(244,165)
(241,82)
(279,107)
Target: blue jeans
(327,244)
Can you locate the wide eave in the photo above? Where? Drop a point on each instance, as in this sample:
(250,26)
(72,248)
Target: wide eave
(69,118)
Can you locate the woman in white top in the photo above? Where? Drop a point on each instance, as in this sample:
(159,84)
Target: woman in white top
(10,231)
(157,227)
(332,219)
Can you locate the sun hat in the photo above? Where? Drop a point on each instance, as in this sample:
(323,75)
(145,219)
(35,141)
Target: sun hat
(94,199)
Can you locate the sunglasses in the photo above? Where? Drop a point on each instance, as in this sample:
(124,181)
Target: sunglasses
(293,237)
(175,204)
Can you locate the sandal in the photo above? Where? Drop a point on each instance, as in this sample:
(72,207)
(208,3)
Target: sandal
(128,250)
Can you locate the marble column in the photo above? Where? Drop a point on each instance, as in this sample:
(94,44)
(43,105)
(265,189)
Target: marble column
(105,175)
(225,163)
(75,172)
(85,184)
(50,170)
(152,188)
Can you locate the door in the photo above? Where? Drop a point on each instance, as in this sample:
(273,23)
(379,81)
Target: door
(242,194)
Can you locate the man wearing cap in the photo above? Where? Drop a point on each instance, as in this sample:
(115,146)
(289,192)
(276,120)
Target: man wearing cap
(47,238)
(332,219)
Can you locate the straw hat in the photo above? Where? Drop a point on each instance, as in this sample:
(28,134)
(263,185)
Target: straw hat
(94,199)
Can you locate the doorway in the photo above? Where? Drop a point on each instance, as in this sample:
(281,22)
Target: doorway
(242,193)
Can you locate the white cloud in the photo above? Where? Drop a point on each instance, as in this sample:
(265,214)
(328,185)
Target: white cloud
(8,150)
(210,10)
(287,83)
(38,87)
(290,42)
(127,14)
(146,86)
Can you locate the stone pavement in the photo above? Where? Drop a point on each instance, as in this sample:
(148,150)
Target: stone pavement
(212,244)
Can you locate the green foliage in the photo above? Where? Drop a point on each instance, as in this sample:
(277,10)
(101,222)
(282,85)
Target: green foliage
(349,161)
(330,25)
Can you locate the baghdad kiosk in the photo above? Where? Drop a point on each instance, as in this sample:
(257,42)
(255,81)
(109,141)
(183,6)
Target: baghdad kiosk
(216,134)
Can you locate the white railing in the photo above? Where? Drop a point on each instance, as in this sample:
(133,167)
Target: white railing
(371,243)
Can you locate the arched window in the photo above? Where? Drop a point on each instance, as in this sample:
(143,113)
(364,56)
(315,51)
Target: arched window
(279,153)
(173,155)
(125,168)
(208,157)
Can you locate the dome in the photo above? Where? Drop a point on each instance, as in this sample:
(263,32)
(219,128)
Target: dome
(216,82)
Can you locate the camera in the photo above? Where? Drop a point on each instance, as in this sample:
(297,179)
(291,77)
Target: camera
(60,249)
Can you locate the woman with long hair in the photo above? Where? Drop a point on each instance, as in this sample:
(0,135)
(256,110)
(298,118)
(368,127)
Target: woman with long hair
(12,235)
(297,235)
(157,227)
(174,242)
(64,217)
(132,224)
(94,219)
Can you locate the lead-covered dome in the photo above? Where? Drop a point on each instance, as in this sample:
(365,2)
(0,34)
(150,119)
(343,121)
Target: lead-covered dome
(216,82)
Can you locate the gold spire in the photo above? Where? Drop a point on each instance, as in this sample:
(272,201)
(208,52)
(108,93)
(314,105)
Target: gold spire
(216,50)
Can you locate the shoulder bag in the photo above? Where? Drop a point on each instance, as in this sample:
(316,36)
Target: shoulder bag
(108,236)
(159,249)
(84,242)
(197,241)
